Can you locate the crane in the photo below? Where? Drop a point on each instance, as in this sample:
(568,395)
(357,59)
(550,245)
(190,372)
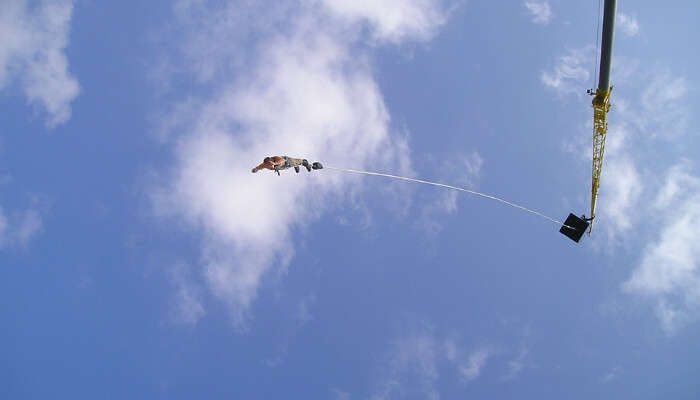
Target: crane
(574,226)
(601,101)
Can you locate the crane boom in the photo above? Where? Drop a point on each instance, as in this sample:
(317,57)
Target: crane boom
(601,101)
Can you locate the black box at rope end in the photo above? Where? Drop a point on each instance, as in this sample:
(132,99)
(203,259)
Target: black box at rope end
(579,225)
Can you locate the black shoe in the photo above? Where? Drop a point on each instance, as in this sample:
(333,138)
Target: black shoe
(305,163)
(317,165)
(296,169)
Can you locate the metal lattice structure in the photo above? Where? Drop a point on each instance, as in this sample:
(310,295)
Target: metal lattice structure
(601,101)
(601,106)
(574,227)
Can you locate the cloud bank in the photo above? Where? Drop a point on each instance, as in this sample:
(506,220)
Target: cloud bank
(34,38)
(305,88)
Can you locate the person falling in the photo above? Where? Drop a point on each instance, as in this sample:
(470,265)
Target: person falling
(278,163)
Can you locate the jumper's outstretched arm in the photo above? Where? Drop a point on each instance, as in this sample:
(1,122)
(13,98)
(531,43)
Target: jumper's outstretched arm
(258,168)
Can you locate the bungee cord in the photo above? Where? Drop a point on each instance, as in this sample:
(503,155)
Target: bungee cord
(484,195)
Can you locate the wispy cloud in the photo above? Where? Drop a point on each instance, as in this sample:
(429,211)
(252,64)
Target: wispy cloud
(395,20)
(669,271)
(3,227)
(337,394)
(612,375)
(420,358)
(472,368)
(622,188)
(627,24)
(663,110)
(517,364)
(303,312)
(412,367)
(540,10)
(34,37)
(416,359)
(460,170)
(571,72)
(20,227)
(307,91)
(187,308)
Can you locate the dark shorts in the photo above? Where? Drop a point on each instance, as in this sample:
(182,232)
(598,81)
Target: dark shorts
(290,162)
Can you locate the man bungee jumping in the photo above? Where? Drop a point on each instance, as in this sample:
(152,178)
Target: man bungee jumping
(278,163)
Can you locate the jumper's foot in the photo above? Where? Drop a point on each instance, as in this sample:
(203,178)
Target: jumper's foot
(296,169)
(305,163)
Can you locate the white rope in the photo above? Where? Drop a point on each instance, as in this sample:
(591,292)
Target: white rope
(403,178)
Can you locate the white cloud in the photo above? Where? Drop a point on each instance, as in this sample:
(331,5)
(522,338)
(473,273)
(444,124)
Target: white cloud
(34,38)
(412,367)
(516,365)
(571,73)
(305,91)
(658,112)
(215,36)
(612,375)
(419,359)
(392,20)
(338,394)
(540,10)
(472,368)
(460,170)
(663,111)
(3,228)
(206,23)
(28,226)
(303,311)
(620,191)
(187,308)
(19,228)
(669,271)
(627,24)
(451,350)
(414,364)
(469,167)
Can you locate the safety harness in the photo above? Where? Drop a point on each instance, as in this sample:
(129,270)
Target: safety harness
(286,165)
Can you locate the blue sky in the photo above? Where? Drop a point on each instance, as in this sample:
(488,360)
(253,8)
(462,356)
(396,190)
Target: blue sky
(140,258)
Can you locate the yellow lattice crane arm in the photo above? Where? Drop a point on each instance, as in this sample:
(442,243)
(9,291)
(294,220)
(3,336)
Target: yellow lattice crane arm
(601,101)
(601,106)
(575,226)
